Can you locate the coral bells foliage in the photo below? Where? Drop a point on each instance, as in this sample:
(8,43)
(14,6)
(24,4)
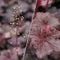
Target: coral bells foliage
(8,55)
(44,35)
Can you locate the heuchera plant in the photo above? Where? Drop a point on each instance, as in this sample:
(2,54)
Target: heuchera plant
(44,35)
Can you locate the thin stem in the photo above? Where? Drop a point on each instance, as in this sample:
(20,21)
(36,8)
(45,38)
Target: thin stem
(16,34)
(37,5)
(27,40)
(46,5)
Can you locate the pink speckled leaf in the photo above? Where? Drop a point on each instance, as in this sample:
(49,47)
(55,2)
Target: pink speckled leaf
(44,36)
